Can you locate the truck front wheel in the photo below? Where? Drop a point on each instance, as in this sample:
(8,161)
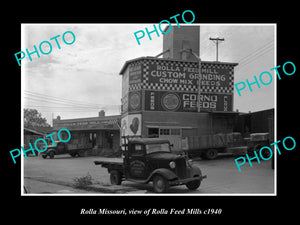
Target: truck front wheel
(160,184)
(193,185)
(115,177)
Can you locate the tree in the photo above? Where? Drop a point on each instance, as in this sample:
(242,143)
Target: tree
(34,118)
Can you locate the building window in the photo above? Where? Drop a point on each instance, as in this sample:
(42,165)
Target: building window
(137,150)
(153,132)
(164,132)
(175,131)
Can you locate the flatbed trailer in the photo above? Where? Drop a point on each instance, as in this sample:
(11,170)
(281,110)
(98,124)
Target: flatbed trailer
(208,146)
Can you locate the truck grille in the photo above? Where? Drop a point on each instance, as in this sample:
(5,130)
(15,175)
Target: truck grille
(181,167)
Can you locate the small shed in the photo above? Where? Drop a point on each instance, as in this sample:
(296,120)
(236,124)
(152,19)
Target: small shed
(31,134)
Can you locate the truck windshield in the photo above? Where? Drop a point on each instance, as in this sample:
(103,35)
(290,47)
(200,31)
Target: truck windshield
(151,148)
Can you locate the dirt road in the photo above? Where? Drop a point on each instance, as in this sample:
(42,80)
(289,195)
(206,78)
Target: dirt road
(223,176)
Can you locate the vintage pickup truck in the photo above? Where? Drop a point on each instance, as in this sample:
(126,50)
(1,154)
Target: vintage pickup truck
(151,160)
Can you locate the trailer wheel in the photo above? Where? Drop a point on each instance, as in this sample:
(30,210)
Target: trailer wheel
(115,177)
(211,154)
(160,184)
(265,153)
(250,152)
(80,153)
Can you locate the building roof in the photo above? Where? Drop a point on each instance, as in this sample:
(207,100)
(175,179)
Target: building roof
(98,118)
(174,60)
(90,123)
(39,130)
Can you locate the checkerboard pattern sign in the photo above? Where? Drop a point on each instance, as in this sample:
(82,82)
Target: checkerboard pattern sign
(183,76)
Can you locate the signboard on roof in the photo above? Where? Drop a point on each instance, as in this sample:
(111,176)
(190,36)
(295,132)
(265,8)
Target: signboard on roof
(152,78)
(173,75)
(215,78)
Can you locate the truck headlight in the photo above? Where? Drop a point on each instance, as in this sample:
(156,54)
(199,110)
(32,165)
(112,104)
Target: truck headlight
(172,164)
(189,163)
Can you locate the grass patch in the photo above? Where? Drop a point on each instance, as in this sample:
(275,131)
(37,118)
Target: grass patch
(83,182)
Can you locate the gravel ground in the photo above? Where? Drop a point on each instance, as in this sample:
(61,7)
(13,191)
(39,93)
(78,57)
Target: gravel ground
(223,176)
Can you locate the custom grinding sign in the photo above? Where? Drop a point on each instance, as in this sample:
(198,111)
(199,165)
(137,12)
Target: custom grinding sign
(172,85)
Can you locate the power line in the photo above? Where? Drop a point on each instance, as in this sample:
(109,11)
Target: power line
(67,110)
(34,96)
(52,102)
(227,33)
(70,107)
(255,57)
(56,99)
(257,51)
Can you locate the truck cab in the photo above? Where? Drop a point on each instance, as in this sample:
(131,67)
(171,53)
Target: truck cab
(256,142)
(151,160)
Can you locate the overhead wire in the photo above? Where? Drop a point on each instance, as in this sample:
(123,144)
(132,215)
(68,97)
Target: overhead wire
(254,58)
(59,100)
(262,48)
(62,104)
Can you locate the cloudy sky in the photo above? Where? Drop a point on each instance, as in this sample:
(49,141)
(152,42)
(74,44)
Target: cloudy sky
(79,80)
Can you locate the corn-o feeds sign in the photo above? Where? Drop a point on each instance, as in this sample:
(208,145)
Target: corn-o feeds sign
(173,85)
(186,102)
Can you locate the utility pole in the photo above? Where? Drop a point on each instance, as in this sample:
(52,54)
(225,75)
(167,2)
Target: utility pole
(216,40)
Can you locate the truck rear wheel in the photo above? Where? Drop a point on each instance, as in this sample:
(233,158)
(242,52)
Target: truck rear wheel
(115,177)
(160,184)
(211,154)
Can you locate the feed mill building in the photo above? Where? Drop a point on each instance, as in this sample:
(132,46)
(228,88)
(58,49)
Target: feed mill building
(171,98)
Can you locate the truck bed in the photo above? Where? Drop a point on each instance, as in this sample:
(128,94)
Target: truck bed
(110,163)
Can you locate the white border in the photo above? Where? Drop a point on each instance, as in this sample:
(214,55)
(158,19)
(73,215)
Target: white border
(199,24)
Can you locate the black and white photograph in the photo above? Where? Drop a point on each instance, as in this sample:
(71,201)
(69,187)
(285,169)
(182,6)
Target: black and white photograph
(141,118)
(150,114)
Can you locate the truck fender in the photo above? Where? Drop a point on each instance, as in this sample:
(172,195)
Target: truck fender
(168,174)
(50,150)
(195,171)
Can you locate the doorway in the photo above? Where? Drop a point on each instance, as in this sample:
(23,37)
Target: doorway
(92,138)
(168,133)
